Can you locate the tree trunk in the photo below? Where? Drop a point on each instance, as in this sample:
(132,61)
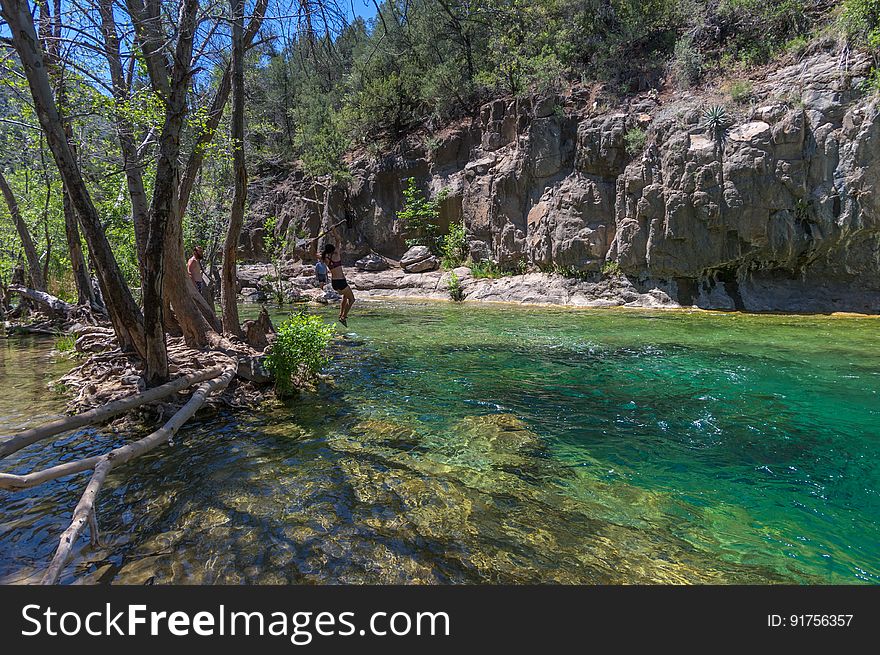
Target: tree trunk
(50,33)
(231,324)
(27,243)
(164,275)
(124,313)
(84,293)
(134,175)
(194,163)
(164,219)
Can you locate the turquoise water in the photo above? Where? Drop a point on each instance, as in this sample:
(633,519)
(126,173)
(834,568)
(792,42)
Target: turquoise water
(463,443)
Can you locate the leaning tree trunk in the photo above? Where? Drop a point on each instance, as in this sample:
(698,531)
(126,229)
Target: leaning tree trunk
(134,175)
(231,324)
(27,243)
(124,312)
(50,33)
(81,278)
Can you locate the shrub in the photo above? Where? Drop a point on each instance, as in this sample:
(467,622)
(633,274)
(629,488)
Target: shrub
(419,217)
(798,45)
(487,268)
(715,121)
(634,140)
(274,247)
(687,63)
(872,82)
(740,91)
(611,269)
(298,351)
(572,272)
(65,343)
(860,20)
(454,286)
(454,246)
(432,143)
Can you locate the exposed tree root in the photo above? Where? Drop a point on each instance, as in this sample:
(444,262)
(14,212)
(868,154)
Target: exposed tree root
(108,385)
(99,414)
(84,514)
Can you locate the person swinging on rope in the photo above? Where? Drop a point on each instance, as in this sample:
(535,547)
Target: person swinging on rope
(338,281)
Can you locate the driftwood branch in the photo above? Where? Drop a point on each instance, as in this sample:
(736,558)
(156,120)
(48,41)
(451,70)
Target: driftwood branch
(83,514)
(26,438)
(12,482)
(53,306)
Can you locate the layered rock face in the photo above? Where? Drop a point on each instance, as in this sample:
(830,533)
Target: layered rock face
(779,212)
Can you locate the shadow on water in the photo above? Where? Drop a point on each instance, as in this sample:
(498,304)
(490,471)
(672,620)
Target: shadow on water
(472,444)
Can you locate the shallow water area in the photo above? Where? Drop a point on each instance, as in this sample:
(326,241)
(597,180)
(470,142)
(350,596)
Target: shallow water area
(467,443)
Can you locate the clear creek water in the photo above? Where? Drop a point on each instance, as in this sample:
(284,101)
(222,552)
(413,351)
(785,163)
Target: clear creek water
(472,444)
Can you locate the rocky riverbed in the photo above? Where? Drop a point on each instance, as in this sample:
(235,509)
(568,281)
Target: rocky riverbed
(299,285)
(259,283)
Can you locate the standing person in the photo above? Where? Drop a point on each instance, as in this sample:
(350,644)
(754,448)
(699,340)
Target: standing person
(337,279)
(321,271)
(194,266)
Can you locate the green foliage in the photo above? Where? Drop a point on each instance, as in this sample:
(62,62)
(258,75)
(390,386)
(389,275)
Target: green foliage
(687,63)
(572,272)
(274,247)
(419,217)
(488,269)
(420,63)
(715,121)
(872,82)
(740,91)
(299,351)
(634,141)
(453,284)
(758,30)
(65,343)
(798,45)
(454,246)
(860,20)
(611,269)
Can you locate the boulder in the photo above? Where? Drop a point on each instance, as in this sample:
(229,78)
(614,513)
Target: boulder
(371,262)
(249,294)
(415,255)
(429,264)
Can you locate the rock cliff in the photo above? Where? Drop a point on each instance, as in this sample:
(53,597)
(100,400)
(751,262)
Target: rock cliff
(777,210)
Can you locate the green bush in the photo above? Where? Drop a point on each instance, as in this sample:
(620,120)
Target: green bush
(740,91)
(860,20)
(572,272)
(687,63)
(635,139)
(611,269)
(454,246)
(488,269)
(872,82)
(65,343)
(298,351)
(419,217)
(758,30)
(454,286)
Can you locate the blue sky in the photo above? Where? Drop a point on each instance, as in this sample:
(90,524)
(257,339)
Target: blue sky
(363,8)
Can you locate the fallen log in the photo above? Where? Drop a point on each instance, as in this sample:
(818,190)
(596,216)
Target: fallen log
(14,443)
(12,482)
(53,306)
(84,513)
